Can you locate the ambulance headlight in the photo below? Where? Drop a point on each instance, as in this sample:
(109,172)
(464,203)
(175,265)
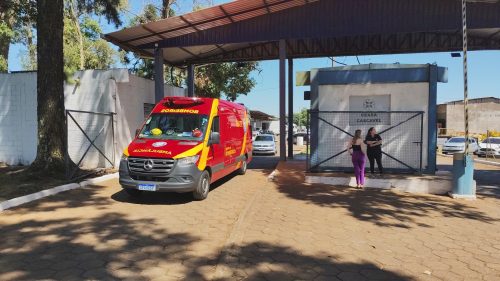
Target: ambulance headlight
(186,161)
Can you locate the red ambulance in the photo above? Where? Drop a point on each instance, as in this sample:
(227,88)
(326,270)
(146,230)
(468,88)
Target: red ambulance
(185,145)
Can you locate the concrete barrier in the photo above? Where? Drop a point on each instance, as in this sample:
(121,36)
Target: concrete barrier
(14,202)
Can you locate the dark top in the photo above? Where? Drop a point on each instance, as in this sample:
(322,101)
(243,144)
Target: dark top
(356,147)
(377,148)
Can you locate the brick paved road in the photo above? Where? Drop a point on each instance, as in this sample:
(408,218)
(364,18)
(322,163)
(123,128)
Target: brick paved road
(254,229)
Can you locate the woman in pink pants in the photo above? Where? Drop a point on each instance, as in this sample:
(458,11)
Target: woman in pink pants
(358,158)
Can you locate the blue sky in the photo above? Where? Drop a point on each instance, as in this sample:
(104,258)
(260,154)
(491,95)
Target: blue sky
(484,69)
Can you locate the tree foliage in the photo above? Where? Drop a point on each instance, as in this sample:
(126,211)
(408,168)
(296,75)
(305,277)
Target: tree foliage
(145,67)
(227,80)
(14,16)
(300,118)
(96,52)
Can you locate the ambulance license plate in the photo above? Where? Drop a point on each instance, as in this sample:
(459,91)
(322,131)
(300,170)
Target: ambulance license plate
(147,187)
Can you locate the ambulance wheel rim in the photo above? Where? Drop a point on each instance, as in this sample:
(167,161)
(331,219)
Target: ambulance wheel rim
(244,166)
(204,185)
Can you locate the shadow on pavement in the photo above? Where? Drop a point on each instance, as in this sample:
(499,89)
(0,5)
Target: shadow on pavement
(383,208)
(165,198)
(264,261)
(105,248)
(112,247)
(266,163)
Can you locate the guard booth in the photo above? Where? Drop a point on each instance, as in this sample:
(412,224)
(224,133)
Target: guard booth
(398,100)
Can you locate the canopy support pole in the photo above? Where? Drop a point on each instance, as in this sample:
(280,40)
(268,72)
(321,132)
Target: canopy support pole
(282,56)
(290,108)
(190,80)
(158,74)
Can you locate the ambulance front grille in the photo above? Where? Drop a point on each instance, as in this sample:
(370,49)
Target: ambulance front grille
(158,167)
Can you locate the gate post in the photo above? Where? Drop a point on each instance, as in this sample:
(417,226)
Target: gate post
(432,120)
(190,80)
(158,72)
(282,55)
(290,108)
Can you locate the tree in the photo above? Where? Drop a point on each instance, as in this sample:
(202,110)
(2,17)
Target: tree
(15,15)
(52,147)
(83,47)
(81,35)
(50,91)
(225,79)
(300,118)
(145,67)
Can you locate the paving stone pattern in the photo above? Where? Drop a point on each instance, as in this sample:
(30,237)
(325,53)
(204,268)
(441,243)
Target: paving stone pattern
(252,229)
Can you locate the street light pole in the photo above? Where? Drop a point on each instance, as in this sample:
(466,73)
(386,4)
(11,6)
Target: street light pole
(466,86)
(463,164)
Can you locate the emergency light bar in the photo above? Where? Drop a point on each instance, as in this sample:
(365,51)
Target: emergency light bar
(182,103)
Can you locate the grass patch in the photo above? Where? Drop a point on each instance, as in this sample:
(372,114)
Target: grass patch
(17,181)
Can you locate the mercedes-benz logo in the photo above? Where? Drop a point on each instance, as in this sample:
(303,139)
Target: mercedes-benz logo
(148,165)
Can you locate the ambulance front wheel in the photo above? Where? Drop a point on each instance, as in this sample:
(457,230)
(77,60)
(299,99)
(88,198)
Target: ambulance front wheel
(203,186)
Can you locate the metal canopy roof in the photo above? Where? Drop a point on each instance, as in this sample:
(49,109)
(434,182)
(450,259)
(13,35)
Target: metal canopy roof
(246,30)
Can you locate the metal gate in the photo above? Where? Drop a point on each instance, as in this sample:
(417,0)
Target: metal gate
(90,142)
(331,132)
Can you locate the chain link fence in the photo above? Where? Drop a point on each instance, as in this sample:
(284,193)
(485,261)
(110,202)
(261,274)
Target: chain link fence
(332,131)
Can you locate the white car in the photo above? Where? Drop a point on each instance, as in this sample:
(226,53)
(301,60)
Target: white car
(264,144)
(489,147)
(457,145)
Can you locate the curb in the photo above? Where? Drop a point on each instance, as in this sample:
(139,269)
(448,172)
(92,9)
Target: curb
(14,202)
(475,160)
(272,175)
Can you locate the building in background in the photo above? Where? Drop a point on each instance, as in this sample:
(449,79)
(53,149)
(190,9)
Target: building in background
(398,100)
(264,122)
(484,115)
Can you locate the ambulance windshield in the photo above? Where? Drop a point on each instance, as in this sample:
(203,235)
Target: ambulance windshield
(168,126)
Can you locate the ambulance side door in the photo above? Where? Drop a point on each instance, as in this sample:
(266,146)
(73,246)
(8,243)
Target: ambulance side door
(216,154)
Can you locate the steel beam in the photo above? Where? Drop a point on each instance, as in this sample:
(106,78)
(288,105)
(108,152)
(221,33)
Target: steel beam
(158,73)
(282,56)
(290,108)
(190,80)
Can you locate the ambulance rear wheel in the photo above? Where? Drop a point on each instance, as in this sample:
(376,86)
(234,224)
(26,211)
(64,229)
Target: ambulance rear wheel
(243,168)
(203,187)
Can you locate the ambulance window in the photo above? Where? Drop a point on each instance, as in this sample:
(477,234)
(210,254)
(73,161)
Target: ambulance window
(215,125)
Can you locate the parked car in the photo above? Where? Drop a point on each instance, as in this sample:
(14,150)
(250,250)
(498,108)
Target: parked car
(264,144)
(303,135)
(489,147)
(457,145)
(255,134)
(185,145)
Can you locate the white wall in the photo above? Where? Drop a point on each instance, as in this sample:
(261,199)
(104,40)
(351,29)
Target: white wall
(18,119)
(404,97)
(106,91)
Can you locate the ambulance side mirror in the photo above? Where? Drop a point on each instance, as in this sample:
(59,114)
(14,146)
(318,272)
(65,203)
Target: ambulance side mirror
(214,138)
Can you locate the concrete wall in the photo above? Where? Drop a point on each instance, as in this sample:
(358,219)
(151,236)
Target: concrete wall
(482,117)
(106,91)
(18,119)
(336,98)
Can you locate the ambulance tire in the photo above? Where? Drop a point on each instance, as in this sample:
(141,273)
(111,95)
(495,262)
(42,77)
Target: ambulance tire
(133,192)
(243,168)
(203,187)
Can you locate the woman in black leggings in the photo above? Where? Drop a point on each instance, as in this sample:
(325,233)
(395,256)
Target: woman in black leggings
(374,151)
